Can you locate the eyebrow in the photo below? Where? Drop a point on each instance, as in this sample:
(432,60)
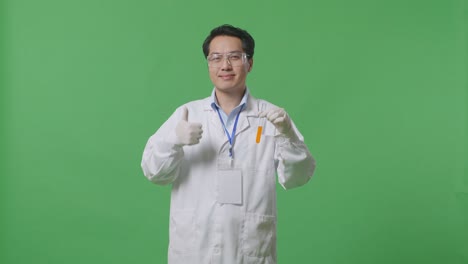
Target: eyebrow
(234,51)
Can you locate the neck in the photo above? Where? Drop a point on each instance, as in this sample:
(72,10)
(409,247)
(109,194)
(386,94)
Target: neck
(229,101)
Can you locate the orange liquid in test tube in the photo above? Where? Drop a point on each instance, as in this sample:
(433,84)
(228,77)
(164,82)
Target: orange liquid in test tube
(259,134)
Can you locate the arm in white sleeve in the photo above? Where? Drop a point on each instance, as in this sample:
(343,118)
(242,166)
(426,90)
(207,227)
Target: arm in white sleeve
(295,163)
(162,156)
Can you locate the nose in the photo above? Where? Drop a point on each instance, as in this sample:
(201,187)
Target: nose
(226,65)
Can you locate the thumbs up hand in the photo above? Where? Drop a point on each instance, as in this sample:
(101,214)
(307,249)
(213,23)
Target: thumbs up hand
(187,133)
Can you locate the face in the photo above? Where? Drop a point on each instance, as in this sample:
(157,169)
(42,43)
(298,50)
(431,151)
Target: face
(227,78)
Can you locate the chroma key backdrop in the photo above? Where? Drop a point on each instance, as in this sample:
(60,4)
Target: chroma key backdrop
(377,88)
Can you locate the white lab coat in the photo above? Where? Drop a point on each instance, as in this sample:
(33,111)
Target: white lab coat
(203,231)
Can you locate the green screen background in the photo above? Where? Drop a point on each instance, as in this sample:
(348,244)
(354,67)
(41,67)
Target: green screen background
(377,88)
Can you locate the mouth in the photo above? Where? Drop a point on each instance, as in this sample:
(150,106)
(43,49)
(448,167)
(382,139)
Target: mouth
(227,76)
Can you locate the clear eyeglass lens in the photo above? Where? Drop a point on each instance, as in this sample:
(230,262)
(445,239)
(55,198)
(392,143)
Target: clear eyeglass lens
(235,59)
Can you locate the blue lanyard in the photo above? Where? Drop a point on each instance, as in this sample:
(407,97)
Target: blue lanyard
(230,137)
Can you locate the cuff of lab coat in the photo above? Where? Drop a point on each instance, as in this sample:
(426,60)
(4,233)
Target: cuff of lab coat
(167,147)
(289,137)
(172,141)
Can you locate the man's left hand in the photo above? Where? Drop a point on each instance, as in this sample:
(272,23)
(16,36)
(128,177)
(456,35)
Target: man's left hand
(279,118)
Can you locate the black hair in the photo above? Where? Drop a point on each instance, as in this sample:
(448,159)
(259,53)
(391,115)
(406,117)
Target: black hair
(248,43)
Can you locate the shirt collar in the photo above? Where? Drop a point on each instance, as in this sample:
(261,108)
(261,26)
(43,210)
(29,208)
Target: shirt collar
(214,101)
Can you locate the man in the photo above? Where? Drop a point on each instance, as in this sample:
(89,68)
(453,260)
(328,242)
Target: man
(221,154)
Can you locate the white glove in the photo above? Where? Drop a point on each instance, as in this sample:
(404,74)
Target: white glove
(279,118)
(187,133)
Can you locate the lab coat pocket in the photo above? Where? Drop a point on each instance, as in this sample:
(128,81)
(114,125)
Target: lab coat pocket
(259,235)
(183,232)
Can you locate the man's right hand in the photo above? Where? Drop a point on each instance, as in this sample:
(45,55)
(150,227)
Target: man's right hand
(188,133)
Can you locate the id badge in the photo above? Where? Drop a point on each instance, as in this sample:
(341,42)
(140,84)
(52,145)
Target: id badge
(229,187)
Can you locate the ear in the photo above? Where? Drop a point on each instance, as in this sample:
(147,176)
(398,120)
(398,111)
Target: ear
(251,61)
